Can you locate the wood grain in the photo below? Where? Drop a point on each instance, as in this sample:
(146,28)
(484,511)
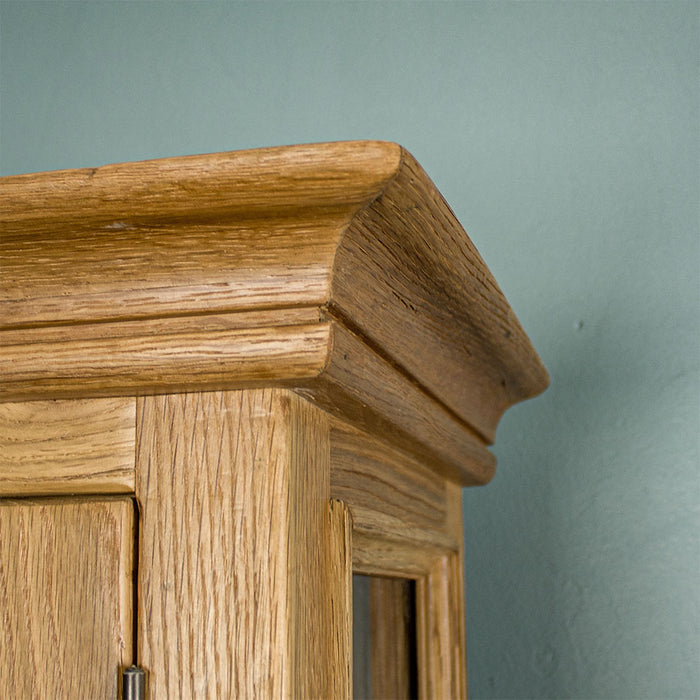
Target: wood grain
(340,578)
(330,272)
(409,277)
(392,630)
(159,356)
(387,546)
(221,231)
(65,596)
(355,229)
(235,598)
(62,447)
(441,615)
(216,186)
(132,271)
(380,547)
(370,474)
(325,361)
(440,626)
(359,385)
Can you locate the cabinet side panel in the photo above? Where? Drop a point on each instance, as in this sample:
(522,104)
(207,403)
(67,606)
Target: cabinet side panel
(65,596)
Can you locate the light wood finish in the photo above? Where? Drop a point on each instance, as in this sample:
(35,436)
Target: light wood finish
(351,232)
(340,574)
(235,588)
(376,480)
(366,390)
(219,232)
(385,546)
(63,447)
(391,632)
(157,356)
(440,630)
(408,276)
(172,355)
(403,516)
(391,538)
(285,327)
(65,596)
(260,183)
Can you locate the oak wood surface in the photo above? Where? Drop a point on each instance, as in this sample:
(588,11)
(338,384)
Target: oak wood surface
(392,627)
(66,596)
(235,596)
(340,579)
(353,230)
(138,272)
(449,324)
(148,357)
(192,189)
(63,447)
(371,476)
(335,273)
(366,390)
(403,515)
(324,360)
(440,608)
(381,548)
(393,539)
(384,546)
(222,231)
(440,630)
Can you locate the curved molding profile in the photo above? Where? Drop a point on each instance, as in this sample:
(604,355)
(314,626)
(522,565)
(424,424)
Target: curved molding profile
(335,269)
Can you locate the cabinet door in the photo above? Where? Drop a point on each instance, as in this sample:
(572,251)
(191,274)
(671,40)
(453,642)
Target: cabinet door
(66,593)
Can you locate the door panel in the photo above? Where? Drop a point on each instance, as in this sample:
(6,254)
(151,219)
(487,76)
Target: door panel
(66,596)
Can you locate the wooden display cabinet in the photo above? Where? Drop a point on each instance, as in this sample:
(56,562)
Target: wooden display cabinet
(228,382)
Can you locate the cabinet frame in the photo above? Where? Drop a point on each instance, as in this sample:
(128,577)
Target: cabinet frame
(292,360)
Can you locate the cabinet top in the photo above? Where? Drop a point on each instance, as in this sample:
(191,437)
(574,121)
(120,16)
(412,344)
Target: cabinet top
(176,274)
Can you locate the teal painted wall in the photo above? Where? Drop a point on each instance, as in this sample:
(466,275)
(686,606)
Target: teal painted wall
(565,137)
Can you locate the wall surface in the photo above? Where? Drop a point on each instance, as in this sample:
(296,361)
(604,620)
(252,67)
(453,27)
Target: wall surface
(565,137)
